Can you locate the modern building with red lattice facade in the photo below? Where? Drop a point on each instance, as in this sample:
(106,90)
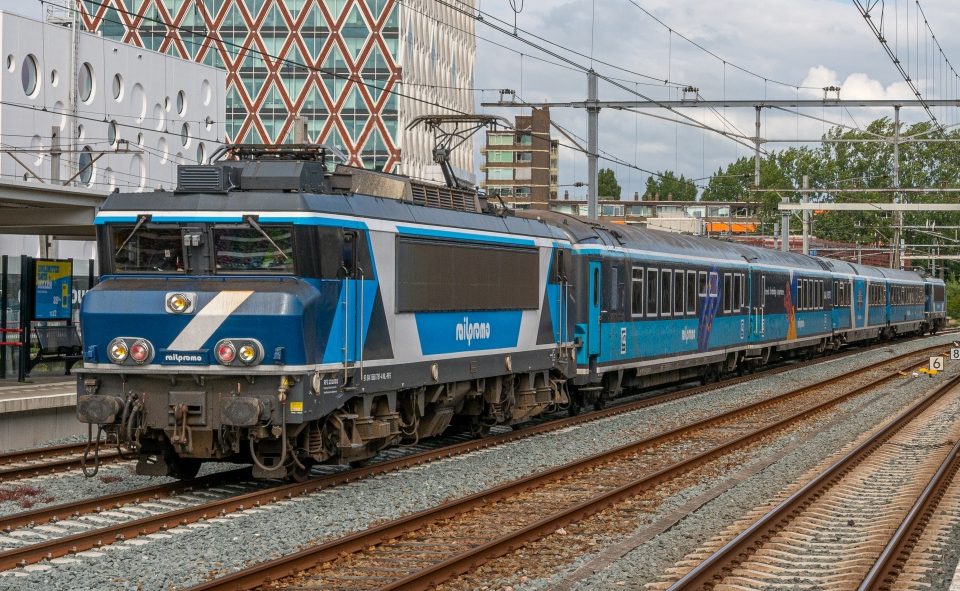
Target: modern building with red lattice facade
(358,71)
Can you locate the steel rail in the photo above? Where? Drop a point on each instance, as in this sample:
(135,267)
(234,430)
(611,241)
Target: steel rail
(886,569)
(39,453)
(706,574)
(53,466)
(284,566)
(97,504)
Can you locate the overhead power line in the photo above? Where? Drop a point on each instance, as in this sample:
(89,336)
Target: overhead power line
(715,55)
(865,9)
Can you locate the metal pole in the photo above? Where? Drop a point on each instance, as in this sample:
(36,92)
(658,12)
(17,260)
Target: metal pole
(26,312)
(593,131)
(4,301)
(55,154)
(806,217)
(898,216)
(785,229)
(74,74)
(756,156)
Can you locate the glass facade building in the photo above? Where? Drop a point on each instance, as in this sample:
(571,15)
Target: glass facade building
(340,64)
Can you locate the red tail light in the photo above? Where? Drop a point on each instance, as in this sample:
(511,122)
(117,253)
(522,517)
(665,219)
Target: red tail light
(140,352)
(226,352)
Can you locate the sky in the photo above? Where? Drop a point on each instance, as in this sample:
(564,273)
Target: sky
(802,43)
(805,44)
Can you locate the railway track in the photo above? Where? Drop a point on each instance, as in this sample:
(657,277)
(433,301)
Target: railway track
(424,549)
(29,463)
(854,524)
(64,529)
(88,524)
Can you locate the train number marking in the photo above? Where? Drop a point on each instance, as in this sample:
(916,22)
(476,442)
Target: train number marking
(623,341)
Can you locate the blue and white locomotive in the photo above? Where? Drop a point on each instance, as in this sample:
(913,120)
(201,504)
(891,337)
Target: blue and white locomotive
(275,311)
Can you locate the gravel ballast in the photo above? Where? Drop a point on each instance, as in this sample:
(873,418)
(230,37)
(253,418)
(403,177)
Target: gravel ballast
(187,555)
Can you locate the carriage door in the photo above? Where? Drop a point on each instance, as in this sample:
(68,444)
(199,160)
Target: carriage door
(758,303)
(352,304)
(593,320)
(859,303)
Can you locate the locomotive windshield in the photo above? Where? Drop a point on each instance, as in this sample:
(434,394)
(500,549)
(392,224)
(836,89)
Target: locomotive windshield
(147,249)
(245,249)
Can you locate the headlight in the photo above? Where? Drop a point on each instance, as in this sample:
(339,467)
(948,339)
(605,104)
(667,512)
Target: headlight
(140,351)
(236,351)
(118,351)
(125,349)
(247,354)
(225,352)
(178,302)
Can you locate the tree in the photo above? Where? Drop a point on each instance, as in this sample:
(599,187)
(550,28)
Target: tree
(607,186)
(861,165)
(665,185)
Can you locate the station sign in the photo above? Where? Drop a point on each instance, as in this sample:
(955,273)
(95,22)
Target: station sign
(53,289)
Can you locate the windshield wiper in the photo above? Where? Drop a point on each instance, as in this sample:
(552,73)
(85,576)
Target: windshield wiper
(141,220)
(253,224)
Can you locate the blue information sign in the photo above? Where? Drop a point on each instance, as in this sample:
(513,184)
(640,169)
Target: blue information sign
(53,286)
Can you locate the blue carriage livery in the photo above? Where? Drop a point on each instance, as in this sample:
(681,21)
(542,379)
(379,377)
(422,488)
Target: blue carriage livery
(278,310)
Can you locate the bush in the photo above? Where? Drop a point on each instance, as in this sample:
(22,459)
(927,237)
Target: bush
(953,299)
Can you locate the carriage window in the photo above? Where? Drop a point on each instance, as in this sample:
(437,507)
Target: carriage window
(714,284)
(636,292)
(678,293)
(665,292)
(614,288)
(596,287)
(799,295)
(652,292)
(244,249)
(743,291)
(692,292)
(702,282)
(727,292)
(151,249)
(737,302)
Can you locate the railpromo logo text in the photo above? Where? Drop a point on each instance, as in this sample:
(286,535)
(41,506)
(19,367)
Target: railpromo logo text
(472,331)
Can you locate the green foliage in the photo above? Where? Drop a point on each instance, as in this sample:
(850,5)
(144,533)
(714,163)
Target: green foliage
(859,165)
(666,186)
(607,186)
(953,299)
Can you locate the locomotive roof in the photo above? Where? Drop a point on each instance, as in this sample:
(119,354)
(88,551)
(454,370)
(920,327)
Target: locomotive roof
(545,224)
(364,206)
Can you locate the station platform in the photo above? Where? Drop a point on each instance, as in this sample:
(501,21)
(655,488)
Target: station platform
(41,410)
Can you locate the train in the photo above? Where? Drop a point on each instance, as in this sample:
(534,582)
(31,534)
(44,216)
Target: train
(282,310)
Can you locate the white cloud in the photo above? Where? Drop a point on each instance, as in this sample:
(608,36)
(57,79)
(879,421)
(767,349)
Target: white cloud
(857,85)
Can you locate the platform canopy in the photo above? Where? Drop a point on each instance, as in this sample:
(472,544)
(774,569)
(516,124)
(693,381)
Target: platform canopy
(32,207)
